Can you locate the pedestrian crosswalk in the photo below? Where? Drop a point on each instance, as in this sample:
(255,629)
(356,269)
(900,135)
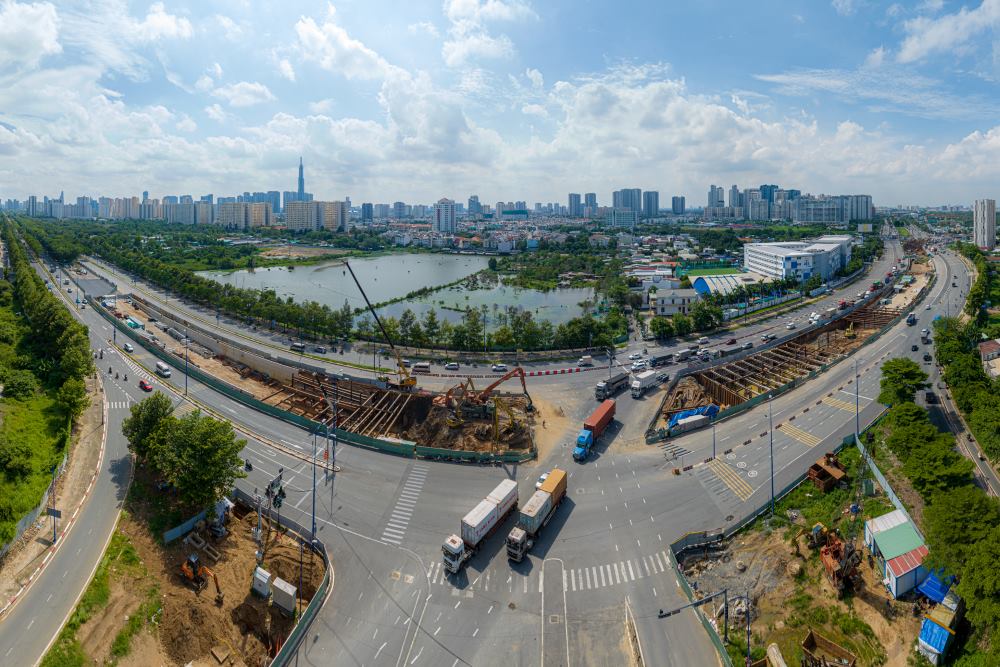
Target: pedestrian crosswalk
(119,405)
(672,452)
(574,579)
(800,435)
(395,527)
(740,488)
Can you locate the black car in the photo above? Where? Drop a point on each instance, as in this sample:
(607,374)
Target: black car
(927,356)
(930,397)
(914,348)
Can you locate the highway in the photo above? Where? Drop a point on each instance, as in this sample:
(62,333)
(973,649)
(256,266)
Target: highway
(384,518)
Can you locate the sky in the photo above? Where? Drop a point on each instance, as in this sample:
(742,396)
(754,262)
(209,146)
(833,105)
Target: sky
(508,99)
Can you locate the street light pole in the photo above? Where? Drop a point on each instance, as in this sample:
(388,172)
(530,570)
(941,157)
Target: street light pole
(187,343)
(314,490)
(857,400)
(770,433)
(713,439)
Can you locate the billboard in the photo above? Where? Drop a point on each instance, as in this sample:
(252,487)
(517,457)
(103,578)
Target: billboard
(865,227)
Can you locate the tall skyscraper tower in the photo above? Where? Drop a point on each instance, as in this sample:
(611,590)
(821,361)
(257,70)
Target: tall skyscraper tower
(302,181)
(984,224)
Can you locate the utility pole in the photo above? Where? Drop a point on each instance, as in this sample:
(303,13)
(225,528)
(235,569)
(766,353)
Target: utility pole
(857,400)
(313,502)
(770,433)
(713,439)
(187,343)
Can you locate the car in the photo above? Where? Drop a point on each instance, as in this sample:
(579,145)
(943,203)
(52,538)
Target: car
(319,349)
(69,290)
(406,363)
(927,307)
(638,365)
(499,368)
(914,348)
(930,397)
(747,345)
(451,366)
(703,340)
(927,356)
(731,341)
(541,480)
(790,325)
(128,348)
(766,337)
(145,386)
(634,356)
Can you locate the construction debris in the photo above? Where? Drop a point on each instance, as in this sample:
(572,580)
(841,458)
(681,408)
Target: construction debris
(818,651)
(827,472)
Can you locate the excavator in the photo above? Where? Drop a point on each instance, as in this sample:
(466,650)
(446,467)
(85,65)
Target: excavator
(406,381)
(197,575)
(478,399)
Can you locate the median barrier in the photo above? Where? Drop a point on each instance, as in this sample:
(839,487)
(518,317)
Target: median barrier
(409,450)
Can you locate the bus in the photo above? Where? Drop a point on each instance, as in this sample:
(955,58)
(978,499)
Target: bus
(298,347)
(162,369)
(421,367)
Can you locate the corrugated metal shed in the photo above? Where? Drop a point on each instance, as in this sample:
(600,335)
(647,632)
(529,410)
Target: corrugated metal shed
(882,523)
(908,562)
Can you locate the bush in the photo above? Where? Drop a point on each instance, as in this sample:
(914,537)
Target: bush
(20,384)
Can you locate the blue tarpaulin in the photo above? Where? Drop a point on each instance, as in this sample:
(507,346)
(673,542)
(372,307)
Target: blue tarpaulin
(708,410)
(934,636)
(933,588)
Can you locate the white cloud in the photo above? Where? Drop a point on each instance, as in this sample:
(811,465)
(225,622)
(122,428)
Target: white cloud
(244,93)
(329,46)
(216,113)
(469,37)
(948,33)
(876,57)
(204,83)
(423,28)
(535,110)
(214,70)
(845,7)
(231,30)
(894,10)
(158,24)
(931,6)
(322,106)
(28,33)
(479,11)
(187,124)
(465,48)
(286,69)
(535,77)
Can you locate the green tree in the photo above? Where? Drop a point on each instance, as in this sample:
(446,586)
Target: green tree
(901,378)
(143,421)
(980,582)
(661,327)
(682,324)
(493,263)
(432,326)
(199,455)
(15,457)
(956,519)
(705,316)
(20,384)
(72,396)
(685,283)
(406,323)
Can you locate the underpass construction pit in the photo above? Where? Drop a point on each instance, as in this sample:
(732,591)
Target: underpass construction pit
(741,380)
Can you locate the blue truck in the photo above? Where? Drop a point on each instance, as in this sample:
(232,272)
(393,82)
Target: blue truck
(593,427)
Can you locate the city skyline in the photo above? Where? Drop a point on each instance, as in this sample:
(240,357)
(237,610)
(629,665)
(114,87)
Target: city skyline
(472,93)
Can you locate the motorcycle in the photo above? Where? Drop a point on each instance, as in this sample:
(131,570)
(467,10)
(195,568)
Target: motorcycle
(247,465)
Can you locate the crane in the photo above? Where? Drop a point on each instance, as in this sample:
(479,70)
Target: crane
(406,380)
(197,575)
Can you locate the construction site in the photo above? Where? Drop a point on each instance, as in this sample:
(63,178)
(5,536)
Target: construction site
(463,418)
(811,587)
(731,383)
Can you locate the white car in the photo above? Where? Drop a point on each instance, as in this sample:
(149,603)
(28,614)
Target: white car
(541,480)
(128,348)
(790,325)
(927,307)
(634,356)
(499,368)
(703,340)
(451,366)
(639,365)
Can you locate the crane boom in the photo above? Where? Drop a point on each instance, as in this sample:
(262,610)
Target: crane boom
(404,375)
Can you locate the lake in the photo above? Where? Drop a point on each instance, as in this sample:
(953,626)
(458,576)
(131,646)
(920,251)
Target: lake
(393,276)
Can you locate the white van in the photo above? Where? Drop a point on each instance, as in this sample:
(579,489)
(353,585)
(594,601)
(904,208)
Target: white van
(421,367)
(162,369)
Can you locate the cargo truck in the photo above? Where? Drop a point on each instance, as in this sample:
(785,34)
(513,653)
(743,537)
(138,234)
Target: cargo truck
(683,355)
(660,360)
(535,514)
(593,428)
(479,524)
(689,424)
(608,388)
(643,382)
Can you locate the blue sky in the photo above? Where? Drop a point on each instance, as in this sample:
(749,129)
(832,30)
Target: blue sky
(507,99)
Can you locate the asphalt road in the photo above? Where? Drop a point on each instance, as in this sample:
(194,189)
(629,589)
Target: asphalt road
(384,518)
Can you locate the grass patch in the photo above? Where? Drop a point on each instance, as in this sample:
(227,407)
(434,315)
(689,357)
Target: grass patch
(120,561)
(719,271)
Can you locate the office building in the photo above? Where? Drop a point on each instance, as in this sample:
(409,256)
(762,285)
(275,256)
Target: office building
(367,212)
(575,205)
(716,197)
(984,223)
(444,216)
(145,195)
(677,205)
(590,201)
(398,210)
(622,217)
(801,259)
(302,181)
(475,208)
(300,216)
(734,197)
(650,204)
(627,198)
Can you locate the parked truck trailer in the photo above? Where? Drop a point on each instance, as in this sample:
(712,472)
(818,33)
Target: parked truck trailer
(593,427)
(643,382)
(535,514)
(479,524)
(607,388)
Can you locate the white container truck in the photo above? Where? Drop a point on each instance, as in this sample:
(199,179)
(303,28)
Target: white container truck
(643,382)
(689,424)
(479,524)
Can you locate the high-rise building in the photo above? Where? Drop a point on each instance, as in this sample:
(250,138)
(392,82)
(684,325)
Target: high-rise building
(767,192)
(302,182)
(628,198)
(367,212)
(475,208)
(259,214)
(650,204)
(444,216)
(332,216)
(734,197)
(231,215)
(145,195)
(300,216)
(716,196)
(621,217)
(984,223)
(182,214)
(575,205)
(677,205)
(398,210)
(590,201)
(204,213)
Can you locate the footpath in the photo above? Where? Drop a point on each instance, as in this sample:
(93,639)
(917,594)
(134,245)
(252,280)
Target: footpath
(32,551)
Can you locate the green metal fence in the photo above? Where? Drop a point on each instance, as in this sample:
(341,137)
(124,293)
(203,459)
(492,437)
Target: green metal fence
(409,450)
